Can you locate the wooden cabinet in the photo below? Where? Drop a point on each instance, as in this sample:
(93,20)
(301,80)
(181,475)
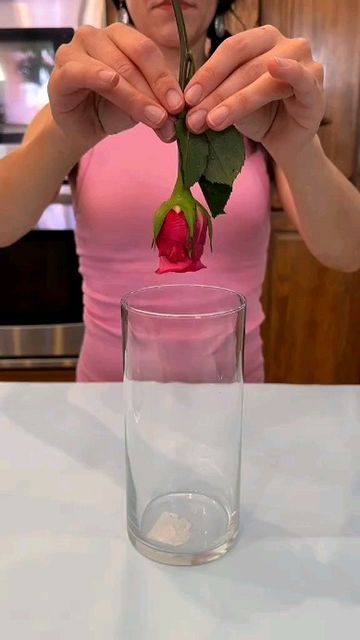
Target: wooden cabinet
(311,333)
(37,375)
(312,328)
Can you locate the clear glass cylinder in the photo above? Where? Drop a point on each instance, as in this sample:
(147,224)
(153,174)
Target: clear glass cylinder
(183,351)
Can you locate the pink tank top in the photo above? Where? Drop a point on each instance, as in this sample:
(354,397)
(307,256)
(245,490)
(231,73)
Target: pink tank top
(121,182)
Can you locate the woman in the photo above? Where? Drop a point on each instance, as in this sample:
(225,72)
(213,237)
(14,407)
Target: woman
(106,82)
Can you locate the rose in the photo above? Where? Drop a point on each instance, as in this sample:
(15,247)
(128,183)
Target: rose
(182,222)
(178,251)
(181,225)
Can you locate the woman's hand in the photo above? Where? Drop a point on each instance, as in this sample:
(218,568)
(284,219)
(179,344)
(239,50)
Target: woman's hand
(267,85)
(108,80)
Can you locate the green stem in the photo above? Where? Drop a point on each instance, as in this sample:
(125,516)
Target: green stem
(187,67)
(186,72)
(179,186)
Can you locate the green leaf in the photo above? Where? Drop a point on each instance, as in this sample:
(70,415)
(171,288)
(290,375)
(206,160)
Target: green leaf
(159,217)
(194,152)
(226,155)
(216,195)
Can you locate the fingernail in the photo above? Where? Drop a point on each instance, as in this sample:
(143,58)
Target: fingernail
(197,119)
(154,114)
(108,77)
(218,116)
(174,99)
(193,95)
(283,62)
(168,130)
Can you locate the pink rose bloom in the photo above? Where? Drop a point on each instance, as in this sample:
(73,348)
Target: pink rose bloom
(177,252)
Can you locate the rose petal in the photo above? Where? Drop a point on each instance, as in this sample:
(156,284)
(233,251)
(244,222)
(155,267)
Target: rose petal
(186,266)
(175,227)
(173,244)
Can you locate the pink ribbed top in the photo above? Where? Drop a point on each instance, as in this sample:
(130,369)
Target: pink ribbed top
(121,182)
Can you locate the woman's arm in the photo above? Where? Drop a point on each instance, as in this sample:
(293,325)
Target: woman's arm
(31,176)
(323,205)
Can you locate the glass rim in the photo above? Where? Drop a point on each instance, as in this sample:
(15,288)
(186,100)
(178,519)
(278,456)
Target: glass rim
(241,306)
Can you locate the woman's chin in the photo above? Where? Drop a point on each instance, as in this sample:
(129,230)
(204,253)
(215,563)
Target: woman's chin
(167,34)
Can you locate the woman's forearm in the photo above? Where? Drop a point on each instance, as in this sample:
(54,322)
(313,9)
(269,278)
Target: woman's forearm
(324,205)
(30,178)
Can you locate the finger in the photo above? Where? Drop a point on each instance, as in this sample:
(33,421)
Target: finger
(234,52)
(241,104)
(111,119)
(296,48)
(146,55)
(101,48)
(307,82)
(69,84)
(67,52)
(167,133)
(245,75)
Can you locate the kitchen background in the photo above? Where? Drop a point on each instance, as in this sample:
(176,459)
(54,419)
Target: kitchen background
(311,333)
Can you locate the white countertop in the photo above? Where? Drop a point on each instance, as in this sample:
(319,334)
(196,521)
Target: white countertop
(68,572)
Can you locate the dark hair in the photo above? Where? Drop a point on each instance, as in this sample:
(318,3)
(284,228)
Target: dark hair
(223,7)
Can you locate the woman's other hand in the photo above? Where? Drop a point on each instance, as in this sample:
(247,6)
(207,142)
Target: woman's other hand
(107,80)
(265,84)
